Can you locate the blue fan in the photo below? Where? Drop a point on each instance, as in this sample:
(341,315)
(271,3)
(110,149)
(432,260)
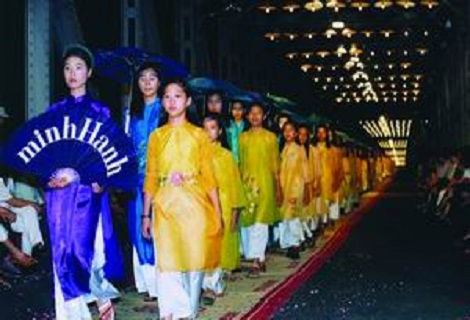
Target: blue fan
(78,137)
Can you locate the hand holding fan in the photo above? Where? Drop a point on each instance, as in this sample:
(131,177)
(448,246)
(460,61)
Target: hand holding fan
(78,137)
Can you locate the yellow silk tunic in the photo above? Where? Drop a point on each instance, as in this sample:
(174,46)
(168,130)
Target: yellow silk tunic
(259,166)
(358,173)
(179,176)
(353,170)
(346,186)
(231,195)
(338,173)
(314,168)
(294,176)
(379,169)
(326,158)
(365,174)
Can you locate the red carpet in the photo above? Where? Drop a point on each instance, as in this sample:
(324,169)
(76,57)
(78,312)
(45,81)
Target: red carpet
(280,294)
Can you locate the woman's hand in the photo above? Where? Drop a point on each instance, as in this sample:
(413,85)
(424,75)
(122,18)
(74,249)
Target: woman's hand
(235,220)
(147,227)
(58,182)
(61,178)
(279,196)
(96,188)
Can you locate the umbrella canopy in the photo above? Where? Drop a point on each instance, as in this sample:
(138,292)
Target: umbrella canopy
(280,102)
(207,85)
(120,64)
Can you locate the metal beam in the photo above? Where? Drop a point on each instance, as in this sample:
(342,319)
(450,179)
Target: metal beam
(37,55)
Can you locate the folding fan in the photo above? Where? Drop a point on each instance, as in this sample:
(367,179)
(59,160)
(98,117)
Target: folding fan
(76,137)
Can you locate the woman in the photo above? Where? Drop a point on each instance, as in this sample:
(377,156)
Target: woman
(232,199)
(187,221)
(326,166)
(295,178)
(145,117)
(84,247)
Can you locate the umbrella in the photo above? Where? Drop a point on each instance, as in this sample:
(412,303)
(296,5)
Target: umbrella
(280,102)
(207,85)
(120,64)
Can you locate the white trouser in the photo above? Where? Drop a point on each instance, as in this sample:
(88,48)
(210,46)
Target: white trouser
(314,222)
(290,233)
(145,276)
(179,293)
(306,228)
(334,211)
(214,281)
(349,203)
(101,289)
(255,238)
(27,223)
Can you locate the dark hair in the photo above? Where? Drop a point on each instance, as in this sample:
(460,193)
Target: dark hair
(237,101)
(137,103)
(292,123)
(179,82)
(191,115)
(282,142)
(335,139)
(80,51)
(307,143)
(283,115)
(315,138)
(256,105)
(215,92)
(222,98)
(223,135)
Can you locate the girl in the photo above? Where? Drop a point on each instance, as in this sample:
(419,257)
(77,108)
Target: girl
(232,200)
(145,115)
(310,217)
(338,175)
(325,164)
(238,125)
(79,216)
(187,221)
(259,167)
(295,179)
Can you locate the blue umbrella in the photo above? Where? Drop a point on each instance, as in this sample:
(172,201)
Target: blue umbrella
(120,64)
(207,85)
(280,102)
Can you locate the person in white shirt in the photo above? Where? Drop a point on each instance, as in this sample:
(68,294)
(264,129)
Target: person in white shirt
(22,216)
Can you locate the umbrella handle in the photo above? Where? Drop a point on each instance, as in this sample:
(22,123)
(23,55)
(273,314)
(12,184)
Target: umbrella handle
(127,114)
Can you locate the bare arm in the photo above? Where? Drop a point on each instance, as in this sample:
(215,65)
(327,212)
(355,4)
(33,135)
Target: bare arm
(214,196)
(146,217)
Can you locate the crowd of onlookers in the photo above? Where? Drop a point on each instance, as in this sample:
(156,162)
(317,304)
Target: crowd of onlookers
(445,179)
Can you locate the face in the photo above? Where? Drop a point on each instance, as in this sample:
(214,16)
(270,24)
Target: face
(214,103)
(289,132)
(237,111)
(322,134)
(303,135)
(330,135)
(281,121)
(76,73)
(212,129)
(149,83)
(175,100)
(255,116)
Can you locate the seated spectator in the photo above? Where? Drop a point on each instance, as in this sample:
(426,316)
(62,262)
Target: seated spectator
(20,216)
(24,188)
